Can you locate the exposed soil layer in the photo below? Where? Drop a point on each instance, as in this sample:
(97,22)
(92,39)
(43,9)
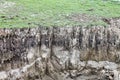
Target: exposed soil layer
(61,53)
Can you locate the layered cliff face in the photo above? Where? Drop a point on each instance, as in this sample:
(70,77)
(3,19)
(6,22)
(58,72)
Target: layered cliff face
(60,53)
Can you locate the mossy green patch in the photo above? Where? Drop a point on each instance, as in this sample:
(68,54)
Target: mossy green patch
(30,13)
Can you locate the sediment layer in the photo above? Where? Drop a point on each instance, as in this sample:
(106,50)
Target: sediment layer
(42,51)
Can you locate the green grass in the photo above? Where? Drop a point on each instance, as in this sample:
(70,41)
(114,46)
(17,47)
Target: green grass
(30,13)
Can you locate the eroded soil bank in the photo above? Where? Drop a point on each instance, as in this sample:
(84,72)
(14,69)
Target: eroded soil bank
(60,53)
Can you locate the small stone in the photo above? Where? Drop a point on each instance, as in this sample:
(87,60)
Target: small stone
(110,77)
(103,72)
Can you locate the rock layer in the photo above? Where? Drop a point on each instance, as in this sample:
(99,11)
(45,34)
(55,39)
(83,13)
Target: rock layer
(49,53)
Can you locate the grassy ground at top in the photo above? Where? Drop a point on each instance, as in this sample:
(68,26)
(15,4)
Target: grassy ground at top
(30,13)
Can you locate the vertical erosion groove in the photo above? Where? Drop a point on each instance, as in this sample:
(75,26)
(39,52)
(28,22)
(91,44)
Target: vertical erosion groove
(55,49)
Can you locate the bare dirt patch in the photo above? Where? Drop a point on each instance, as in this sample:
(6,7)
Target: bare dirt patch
(113,22)
(5,5)
(85,18)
